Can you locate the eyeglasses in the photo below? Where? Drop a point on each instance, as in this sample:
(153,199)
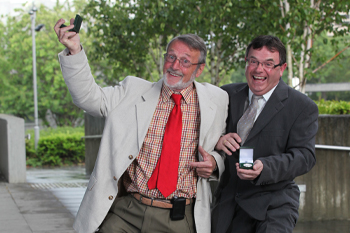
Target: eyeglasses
(183,61)
(269,65)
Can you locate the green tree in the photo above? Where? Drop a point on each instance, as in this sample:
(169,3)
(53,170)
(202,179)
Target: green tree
(301,23)
(132,35)
(334,70)
(16,77)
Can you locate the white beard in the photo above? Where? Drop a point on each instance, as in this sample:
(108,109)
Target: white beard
(180,85)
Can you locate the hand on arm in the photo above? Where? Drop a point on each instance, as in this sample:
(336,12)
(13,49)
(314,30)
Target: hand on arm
(206,167)
(69,39)
(229,142)
(248,174)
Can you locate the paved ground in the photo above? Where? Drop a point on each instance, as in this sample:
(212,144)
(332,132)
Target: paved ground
(47,203)
(49,200)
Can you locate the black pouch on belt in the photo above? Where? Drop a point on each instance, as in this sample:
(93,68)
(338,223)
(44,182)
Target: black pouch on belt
(178,210)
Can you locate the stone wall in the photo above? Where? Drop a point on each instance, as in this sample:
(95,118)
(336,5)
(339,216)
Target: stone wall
(12,149)
(327,185)
(325,190)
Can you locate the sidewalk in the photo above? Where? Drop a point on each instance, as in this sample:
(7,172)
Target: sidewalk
(50,199)
(47,203)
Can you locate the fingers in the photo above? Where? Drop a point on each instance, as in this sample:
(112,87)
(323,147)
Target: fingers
(57,26)
(69,39)
(206,167)
(203,172)
(250,174)
(204,154)
(228,143)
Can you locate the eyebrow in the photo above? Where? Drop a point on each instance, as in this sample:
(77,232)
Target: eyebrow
(269,59)
(171,50)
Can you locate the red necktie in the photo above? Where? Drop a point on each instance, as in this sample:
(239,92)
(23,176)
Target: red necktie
(165,174)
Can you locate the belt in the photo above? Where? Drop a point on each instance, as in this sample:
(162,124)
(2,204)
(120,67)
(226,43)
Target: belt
(161,203)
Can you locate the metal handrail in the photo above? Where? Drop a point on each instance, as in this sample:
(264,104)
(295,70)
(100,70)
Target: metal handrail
(91,136)
(328,147)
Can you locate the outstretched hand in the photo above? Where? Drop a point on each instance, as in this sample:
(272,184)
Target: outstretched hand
(69,39)
(206,167)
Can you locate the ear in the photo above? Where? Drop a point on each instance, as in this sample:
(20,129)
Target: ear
(283,67)
(200,70)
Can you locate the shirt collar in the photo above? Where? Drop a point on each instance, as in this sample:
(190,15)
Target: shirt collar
(186,93)
(266,95)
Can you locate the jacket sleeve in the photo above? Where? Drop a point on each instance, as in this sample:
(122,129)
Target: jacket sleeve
(86,94)
(299,156)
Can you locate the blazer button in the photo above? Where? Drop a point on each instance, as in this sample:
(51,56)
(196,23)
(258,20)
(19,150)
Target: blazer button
(131,157)
(110,197)
(114,178)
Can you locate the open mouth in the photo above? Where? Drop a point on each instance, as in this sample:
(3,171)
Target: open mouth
(259,78)
(174,74)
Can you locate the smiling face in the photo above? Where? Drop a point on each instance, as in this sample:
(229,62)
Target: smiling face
(261,80)
(175,76)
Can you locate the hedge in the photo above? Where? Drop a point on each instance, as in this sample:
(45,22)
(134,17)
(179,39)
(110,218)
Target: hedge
(56,150)
(64,146)
(333,107)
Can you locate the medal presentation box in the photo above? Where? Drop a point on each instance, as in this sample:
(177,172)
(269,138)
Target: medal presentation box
(77,24)
(246,157)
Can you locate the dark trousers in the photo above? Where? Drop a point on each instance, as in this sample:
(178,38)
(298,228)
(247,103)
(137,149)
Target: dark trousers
(278,220)
(130,216)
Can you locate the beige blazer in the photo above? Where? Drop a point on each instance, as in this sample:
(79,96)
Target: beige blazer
(128,109)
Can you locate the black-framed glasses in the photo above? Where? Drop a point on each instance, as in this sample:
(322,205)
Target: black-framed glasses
(266,64)
(183,61)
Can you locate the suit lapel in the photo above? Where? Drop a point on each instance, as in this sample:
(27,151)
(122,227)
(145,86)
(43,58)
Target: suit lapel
(145,110)
(272,107)
(207,111)
(236,106)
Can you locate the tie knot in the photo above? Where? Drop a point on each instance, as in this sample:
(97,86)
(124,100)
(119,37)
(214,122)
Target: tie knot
(256,97)
(176,98)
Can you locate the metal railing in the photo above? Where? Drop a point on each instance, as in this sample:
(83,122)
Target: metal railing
(326,147)
(91,136)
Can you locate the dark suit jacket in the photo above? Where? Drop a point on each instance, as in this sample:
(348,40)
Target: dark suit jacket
(283,138)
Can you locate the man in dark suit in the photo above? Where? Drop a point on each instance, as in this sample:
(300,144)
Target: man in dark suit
(265,198)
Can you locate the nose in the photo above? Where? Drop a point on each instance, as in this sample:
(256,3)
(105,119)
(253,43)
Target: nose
(260,66)
(176,64)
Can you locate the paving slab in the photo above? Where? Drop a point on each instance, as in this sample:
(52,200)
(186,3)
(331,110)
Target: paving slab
(25,209)
(50,199)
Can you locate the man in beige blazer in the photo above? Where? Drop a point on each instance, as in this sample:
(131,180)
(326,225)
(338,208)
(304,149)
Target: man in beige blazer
(117,199)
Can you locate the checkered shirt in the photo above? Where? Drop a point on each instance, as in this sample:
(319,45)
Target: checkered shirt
(142,168)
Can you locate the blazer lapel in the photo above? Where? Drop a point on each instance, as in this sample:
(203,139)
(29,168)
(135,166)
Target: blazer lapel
(207,111)
(272,107)
(145,110)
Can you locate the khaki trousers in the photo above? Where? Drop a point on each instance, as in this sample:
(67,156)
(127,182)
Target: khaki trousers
(127,215)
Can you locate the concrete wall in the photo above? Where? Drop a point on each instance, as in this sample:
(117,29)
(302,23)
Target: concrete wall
(12,149)
(325,190)
(327,185)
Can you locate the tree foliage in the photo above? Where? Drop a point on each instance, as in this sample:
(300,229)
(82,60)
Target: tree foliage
(129,38)
(131,35)
(16,77)
(301,23)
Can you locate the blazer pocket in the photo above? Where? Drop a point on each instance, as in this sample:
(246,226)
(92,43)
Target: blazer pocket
(92,182)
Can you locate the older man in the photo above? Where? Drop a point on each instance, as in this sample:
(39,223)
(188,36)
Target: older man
(280,124)
(152,171)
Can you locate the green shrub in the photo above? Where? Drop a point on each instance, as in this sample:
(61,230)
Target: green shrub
(333,107)
(56,147)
